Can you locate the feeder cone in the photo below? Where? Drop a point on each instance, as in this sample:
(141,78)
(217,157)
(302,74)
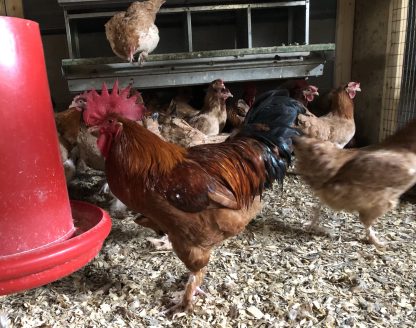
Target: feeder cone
(43,236)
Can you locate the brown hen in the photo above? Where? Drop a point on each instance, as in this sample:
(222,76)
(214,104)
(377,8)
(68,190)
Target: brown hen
(213,115)
(338,126)
(134,30)
(368,181)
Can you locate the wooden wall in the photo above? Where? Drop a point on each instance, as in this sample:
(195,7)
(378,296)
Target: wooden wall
(11,8)
(369,60)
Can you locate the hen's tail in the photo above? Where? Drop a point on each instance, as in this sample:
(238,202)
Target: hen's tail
(404,138)
(271,122)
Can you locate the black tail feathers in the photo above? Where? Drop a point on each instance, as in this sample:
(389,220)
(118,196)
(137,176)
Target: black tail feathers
(271,121)
(275,106)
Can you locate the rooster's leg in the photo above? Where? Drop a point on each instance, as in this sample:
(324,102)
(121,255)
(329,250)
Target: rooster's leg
(191,289)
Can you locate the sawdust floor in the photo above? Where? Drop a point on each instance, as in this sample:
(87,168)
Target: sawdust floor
(275,274)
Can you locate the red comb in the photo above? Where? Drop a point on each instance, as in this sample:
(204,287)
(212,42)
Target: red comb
(250,89)
(99,106)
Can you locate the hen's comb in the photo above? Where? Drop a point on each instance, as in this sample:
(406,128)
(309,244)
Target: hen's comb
(99,106)
(354,85)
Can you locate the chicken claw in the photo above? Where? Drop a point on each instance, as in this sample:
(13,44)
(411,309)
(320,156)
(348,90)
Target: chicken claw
(314,227)
(178,309)
(142,57)
(372,238)
(191,289)
(160,243)
(199,291)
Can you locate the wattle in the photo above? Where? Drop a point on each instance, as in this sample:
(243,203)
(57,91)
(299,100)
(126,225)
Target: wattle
(104,143)
(352,94)
(309,98)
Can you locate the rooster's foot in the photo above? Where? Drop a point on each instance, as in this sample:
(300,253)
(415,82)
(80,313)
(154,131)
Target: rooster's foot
(160,244)
(177,296)
(177,309)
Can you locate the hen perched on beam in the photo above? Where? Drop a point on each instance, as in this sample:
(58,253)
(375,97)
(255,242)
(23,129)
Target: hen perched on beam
(134,30)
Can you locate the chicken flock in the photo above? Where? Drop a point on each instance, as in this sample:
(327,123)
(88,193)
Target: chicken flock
(196,175)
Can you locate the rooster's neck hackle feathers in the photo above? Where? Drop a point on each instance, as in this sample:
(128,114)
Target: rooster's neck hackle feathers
(144,153)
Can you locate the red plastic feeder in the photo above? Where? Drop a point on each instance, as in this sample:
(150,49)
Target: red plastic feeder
(40,239)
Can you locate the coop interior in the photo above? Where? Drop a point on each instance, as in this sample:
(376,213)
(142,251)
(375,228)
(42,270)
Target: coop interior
(255,160)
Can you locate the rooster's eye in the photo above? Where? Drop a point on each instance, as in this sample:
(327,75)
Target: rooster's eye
(110,121)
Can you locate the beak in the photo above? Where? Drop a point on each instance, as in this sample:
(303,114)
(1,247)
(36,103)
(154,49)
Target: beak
(94,130)
(155,116)
(358,89)
(314,90)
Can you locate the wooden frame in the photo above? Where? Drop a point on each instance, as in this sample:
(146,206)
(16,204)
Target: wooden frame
(11,8)
(2,8)
(344,41)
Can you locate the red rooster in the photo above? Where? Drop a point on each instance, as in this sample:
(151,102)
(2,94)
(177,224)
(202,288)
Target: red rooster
(199,195)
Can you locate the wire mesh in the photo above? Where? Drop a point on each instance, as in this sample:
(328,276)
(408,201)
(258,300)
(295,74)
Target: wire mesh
(407,104)
(395,72)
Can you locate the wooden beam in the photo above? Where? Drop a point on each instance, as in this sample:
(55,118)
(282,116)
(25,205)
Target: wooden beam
(14,8)
(370,58)
(344,41)
(2,8)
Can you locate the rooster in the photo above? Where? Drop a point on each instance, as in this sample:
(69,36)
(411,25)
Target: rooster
(338,125)
(213,115)
(368,180)
(200,195)
(134,30)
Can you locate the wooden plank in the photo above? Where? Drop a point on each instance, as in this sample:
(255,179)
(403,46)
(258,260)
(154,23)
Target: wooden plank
(2,8)
(14,8)
(344,41)
(372,39)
